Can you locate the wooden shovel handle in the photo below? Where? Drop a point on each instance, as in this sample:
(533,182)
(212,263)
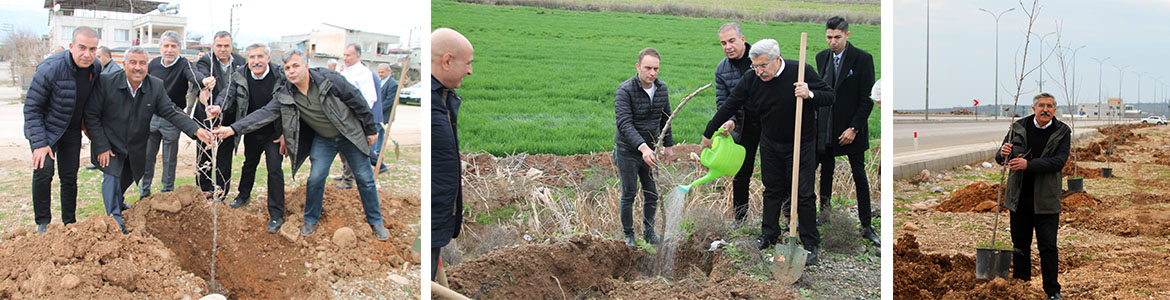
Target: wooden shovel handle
(796,140)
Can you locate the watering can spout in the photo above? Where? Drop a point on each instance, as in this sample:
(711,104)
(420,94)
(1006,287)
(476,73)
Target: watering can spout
(725,157)
(711,175)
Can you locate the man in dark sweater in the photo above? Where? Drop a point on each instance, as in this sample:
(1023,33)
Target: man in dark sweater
(746,127)
(251,89)
(53,111)
(1036,150)
(771,92)
(177,75)
(641,107)
(215,71)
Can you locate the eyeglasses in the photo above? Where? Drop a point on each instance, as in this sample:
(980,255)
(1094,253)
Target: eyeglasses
(760,66)
(1045,105)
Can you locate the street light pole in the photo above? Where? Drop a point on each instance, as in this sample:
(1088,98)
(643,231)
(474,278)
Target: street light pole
(1100,64)
(996,83)
(1139,84)
(1042,58)
(926,114)
(1120,78)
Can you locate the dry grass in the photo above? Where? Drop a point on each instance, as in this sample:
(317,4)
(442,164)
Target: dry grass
(705,11)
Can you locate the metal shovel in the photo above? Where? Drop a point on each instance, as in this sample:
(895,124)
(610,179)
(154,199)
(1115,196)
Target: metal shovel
(788,265)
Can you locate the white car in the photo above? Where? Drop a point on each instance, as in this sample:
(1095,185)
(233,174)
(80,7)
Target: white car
(1154,120)
(413,93)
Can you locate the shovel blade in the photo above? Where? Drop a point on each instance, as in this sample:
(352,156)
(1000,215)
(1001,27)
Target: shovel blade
(788,265)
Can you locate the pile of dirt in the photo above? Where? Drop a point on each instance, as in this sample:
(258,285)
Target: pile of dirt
(92,259)
(1094,151)
(933,276)
(578,265)
(737,287)
(1070,202)
(253,264)
(975,197)
(962,112)
(1142,216)
(1083,172)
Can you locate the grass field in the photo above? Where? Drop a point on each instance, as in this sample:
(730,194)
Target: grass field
(544,79)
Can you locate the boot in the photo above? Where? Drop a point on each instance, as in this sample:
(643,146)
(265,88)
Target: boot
(649,236)
(812,257)
(868,233)
(630,241)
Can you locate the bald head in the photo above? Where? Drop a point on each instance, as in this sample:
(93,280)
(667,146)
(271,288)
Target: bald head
(451,56)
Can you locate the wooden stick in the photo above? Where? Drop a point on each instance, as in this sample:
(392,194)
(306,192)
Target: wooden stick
(796,139)
(393,111)
(661,135)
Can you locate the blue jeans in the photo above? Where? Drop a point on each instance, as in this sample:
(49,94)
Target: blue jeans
(321,156)
(376,149)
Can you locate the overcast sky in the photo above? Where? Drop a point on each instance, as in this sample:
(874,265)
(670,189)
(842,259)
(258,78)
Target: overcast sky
(266,20)
(962,47)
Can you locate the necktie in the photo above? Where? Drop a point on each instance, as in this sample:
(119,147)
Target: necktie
(836,69)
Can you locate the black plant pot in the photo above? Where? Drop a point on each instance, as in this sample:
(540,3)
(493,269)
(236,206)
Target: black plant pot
(1076,185)
(1107,172)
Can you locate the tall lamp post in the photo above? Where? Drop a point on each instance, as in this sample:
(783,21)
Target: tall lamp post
(1042,58)
(926,113)
(1120,78)
(996,83)
(1100,64)
(1139,84)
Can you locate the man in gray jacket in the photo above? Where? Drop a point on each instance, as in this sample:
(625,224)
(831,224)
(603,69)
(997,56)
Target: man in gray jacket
(336,120)
(641,107)
(744,128)
(1036,150)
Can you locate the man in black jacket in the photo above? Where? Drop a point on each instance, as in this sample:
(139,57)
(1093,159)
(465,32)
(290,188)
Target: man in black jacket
(53,111)
(178,76)
(1036,150)
(844,126)
(451,55)
(252,88)
(321,115)
(771,92)
(118,121)
(641,107)
(746,127)
(216,72)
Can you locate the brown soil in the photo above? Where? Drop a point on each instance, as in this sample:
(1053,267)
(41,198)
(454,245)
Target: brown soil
(933,276)
(557,167)
(105,263)
(1084,172)
(1074,201)
(975,197)
(1140,218)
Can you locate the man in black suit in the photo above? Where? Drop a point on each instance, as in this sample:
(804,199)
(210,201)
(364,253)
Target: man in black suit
(211,68)
(844,126)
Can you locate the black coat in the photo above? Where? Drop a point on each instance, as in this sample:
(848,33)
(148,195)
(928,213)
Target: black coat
(446,166)
(209,65)
(386,94)
(640,120)
(727,76)
(853,104)
(774,101)
(120,122)
(52,99)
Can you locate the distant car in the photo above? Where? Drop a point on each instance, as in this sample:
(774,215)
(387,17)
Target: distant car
(413,93)
(1154,120)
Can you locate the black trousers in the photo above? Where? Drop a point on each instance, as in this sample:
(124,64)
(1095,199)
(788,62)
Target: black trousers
(748,136)
(776,170)
(631,171)
(857,166)
(67,150)
(435,261)
(1024,221)
(254,146)
(223,165)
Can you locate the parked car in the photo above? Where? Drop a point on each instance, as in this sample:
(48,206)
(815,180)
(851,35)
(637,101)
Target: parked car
(413,94)
(1154,120)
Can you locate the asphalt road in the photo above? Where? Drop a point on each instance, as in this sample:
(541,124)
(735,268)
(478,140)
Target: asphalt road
(940,136)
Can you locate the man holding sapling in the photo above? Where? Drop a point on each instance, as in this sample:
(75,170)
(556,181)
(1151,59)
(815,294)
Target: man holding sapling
(641,107)
(771,92)
(1035,150)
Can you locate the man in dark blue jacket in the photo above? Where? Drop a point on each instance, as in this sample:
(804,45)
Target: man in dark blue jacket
(451,56)
(53,113)
(746,127)
(216,71)
(641,108)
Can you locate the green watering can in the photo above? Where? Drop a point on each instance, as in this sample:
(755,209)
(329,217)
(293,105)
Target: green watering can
(725,157)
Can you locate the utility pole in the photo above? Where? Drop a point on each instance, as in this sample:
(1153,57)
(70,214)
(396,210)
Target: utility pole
(926,114)
(996,83)
(1100,63)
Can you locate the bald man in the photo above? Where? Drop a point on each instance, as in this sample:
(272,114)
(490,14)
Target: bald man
(451,56)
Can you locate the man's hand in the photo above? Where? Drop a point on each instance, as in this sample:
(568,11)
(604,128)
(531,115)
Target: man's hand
(728,127)
(104,158)
(1018,164)
(801,90)
(648,155)
(1005,150)
(372,139)
(39,156)
(205,136)
(847,137)
(280,140)
(706,143)
(209,82)
(224,132)
(213,111)
(204,96)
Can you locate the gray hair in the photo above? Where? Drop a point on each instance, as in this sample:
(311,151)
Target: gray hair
(332,62)
(259,44)
(356,49)
(223,34)
(137,50)
(84,30)
(289,54)
(765,46)
(171,35)
(384,65)
(730,26)
(1036,99)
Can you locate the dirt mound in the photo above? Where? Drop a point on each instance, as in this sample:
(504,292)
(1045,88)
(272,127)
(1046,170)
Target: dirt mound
(932,276)
(253,264)
(1087,173)
(1073,201)
(738,287)
(578,265)
(92,260)
(975,197)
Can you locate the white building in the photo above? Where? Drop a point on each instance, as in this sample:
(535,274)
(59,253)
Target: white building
(119,23)
(329,41)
